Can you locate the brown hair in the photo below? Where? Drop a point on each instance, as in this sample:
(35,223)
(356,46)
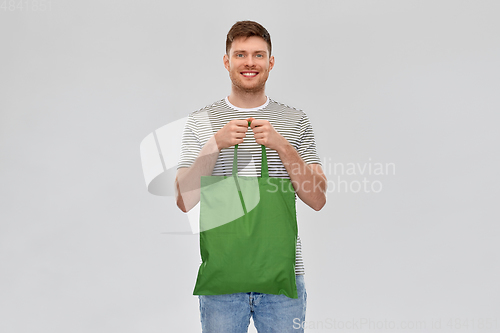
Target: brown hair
(247,29)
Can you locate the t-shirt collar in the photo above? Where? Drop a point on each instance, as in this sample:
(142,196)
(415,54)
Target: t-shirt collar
(247,109)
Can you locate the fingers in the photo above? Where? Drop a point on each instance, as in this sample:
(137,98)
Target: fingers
(259,126)
(240,122)
(232,133)
(237,131)
(259,123)
(236,125)
(239,126)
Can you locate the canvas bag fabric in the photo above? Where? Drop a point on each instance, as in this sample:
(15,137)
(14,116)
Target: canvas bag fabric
(248,234)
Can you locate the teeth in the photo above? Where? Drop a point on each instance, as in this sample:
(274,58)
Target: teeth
(249,74)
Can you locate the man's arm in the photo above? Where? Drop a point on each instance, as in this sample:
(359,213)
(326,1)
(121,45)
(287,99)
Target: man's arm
(308,180)
(187,182)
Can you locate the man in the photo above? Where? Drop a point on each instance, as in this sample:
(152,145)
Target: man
(208,150)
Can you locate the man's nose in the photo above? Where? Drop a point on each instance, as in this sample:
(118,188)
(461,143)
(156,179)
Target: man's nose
(249,61)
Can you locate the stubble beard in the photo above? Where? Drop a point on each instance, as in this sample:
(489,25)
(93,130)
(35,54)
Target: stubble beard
(238,84)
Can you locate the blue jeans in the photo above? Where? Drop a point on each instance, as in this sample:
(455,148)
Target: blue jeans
(271,313)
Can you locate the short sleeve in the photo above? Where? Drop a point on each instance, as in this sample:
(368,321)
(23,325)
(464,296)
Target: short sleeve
(307,143)
(190,146)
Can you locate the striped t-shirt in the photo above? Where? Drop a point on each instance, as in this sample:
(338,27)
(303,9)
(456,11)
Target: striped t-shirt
(291,123)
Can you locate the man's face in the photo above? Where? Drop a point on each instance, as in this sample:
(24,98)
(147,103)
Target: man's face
(248,63)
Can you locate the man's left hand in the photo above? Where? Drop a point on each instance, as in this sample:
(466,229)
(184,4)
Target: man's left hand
(266,135)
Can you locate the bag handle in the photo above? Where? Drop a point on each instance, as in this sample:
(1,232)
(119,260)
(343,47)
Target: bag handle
(264,171)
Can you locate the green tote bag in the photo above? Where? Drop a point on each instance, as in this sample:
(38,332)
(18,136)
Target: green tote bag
(248,234)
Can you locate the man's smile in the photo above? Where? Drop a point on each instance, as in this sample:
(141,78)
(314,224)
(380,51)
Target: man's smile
(249,74)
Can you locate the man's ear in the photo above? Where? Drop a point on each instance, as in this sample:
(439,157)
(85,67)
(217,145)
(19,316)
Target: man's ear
(225,59)
(271,62)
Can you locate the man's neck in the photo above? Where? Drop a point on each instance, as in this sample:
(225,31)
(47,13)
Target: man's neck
(247,100)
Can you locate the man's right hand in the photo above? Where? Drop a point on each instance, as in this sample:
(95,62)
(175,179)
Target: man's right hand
(231,134)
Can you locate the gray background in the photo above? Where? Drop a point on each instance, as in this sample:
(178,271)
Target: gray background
(85,248)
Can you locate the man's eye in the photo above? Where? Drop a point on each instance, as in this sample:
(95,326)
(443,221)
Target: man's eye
(239,55)
(259,55)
